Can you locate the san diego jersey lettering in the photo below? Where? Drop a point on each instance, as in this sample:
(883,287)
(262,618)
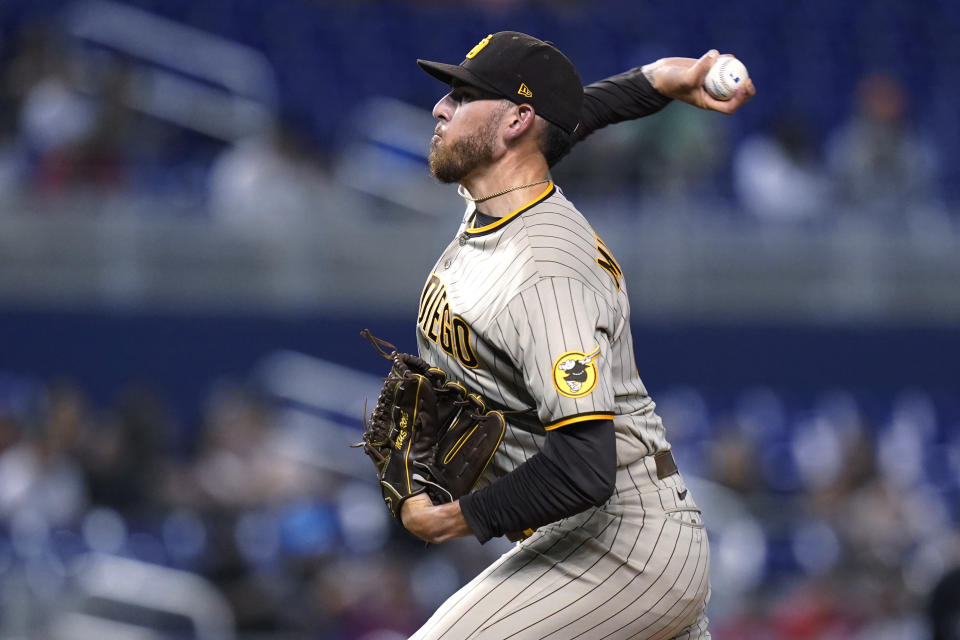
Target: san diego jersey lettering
(443,328)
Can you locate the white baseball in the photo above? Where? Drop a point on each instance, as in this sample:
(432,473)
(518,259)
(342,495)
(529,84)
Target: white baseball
(725,77)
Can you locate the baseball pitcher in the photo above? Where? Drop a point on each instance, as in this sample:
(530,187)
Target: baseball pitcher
(524,414)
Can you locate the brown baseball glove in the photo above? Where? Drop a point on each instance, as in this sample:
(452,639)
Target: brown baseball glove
(426,433)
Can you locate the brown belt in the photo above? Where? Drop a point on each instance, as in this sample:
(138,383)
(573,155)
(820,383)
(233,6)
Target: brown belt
(666,465)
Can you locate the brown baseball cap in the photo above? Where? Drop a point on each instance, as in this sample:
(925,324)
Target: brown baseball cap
(522,69)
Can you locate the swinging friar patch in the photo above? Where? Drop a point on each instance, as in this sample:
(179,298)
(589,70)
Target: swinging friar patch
(575,373)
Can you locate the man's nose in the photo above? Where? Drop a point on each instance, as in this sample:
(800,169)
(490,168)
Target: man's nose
(441,110)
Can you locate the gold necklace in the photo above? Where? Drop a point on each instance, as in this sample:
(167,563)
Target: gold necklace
(466,196)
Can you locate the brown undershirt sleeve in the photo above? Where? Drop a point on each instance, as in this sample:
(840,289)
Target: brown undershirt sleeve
(625,96)
(575,470)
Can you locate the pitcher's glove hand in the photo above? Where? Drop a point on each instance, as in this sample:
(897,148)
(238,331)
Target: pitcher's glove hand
(426,433)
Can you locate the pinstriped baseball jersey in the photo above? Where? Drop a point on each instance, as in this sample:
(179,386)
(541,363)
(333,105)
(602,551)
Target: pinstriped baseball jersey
(531,311)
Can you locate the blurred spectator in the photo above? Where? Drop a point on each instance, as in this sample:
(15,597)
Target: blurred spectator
(673,159)
(731,459)
(40,476)
(364,598)
(680,154)
(238,465)
(268,181)
(17,397)
(242,486)
(123,454)
(813,611)
(878,162)
(10,428)
(66,140)
(943,608)
(778,176)
(33,57)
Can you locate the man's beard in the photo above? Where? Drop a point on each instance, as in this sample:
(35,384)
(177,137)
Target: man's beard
(452,161)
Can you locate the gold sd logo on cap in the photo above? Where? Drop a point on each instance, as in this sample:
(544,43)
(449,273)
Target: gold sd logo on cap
(479,47)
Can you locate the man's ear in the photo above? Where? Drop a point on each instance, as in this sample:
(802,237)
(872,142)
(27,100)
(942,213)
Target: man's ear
(519,119)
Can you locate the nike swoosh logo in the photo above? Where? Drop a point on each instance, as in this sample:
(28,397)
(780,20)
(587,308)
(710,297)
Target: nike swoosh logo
(682,494)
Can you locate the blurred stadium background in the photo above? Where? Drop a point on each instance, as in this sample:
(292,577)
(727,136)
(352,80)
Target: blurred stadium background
(203,202)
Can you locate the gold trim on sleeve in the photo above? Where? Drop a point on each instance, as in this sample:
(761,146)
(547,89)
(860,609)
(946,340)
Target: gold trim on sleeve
(582,418)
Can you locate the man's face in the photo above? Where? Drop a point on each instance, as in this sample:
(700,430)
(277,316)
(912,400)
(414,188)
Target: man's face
(466,134)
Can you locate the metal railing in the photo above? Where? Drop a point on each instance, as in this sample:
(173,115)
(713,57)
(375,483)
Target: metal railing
(376,258)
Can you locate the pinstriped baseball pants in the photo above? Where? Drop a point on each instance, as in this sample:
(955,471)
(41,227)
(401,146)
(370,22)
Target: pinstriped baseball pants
(637,567)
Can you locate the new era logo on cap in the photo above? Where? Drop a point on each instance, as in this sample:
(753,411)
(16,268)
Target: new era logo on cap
(508,64)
